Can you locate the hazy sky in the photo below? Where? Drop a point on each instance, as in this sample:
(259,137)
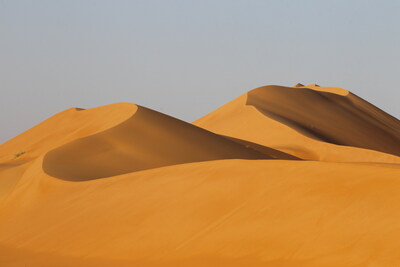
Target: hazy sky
(186,58)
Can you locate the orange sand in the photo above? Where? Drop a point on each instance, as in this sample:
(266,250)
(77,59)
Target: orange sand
(323,123)
(123,185)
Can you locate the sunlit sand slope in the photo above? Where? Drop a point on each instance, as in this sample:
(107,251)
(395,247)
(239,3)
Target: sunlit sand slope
(148,139)
(17,154)
(231,189)
(217,213)
(64,127)
(319,123)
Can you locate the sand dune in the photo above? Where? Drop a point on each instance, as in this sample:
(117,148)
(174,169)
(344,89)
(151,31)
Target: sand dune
(64,127)
(148,139)
(17,154)
(310,123)
(232,192)
(330,116)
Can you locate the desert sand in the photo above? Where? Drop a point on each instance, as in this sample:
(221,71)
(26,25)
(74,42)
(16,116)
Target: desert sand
(280,176)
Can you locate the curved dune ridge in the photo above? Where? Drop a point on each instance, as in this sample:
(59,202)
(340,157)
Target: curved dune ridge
(310,123)
(329,117)
(281,176)
(148,139)
(17,154)
(64,127)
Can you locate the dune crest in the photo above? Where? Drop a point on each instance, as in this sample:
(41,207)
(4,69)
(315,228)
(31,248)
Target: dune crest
(18,154)
(64,127)
(340,120)
(280,176)
(148,139)
(309,124)
(333,90)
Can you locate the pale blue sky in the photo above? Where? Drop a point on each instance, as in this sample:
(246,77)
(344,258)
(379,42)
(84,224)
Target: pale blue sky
(186,58)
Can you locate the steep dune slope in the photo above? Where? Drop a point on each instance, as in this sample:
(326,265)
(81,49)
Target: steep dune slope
(319,123)
(330,117)
(216,213)
(176,194)
(148,139)
(17,154)
(64,127)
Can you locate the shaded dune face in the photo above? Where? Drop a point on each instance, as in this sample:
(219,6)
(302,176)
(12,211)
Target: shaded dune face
(269,116)
(148,139)
(329,117)
(59,129)
(232,204)
(64,127)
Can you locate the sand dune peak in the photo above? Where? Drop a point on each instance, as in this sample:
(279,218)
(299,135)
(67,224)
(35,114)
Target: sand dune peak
(280,176)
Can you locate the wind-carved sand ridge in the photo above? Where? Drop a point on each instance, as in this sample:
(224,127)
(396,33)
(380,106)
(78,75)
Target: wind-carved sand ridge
(305,123)
(342,119)
(280,176)
(148,139)
(59,129)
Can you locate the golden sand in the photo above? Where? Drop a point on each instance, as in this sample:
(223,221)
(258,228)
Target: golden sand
(281,176)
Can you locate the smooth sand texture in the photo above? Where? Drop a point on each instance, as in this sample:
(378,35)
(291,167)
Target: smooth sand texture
(173,194)
(63,127)
(60,129)
(148,139)
(310,124)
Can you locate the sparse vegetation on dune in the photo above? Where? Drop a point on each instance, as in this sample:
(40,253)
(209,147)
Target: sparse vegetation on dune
(19,154)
